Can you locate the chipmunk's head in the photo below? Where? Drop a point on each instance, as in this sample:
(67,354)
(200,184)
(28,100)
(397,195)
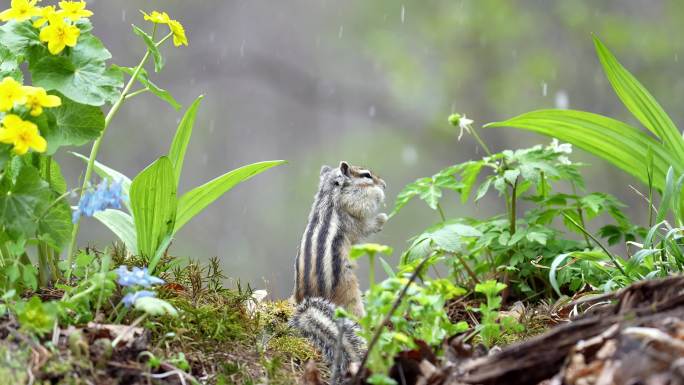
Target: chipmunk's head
(361,192)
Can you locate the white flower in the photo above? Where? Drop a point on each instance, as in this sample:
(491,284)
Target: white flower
(464,124)
(558,148)
(253,302)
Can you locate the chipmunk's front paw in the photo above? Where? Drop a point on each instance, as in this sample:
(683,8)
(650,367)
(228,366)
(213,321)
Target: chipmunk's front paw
(380,221)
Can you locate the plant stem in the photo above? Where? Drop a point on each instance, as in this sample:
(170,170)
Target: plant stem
(472,274)
(580,213)
(605,250)
(128,330)
(441,212)
(93,154)
(357,377)
(371,270)
(514,199)
(136,93)
(480,141)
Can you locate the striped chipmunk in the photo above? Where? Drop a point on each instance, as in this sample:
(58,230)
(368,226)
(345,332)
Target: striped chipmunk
(346,210)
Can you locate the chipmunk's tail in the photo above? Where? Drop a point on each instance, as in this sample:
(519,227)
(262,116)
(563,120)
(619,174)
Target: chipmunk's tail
(315,319)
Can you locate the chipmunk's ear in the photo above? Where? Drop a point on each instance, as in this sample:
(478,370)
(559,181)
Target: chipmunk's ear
(325,169)
(344,168)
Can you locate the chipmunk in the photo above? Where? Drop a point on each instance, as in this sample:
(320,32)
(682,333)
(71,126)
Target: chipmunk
(346,210)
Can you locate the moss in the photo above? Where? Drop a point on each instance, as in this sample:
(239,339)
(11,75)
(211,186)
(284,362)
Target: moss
(14,359)
(295,348)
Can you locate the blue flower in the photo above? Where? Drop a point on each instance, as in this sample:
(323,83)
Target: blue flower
(106,195)
(138,276)
(130,298)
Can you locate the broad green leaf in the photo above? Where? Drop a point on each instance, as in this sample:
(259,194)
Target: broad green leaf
(197,199)
(180,141)
(445,236)
(155,306)
(431,196)
(57,182)
(21,201)
(75,124)
(152,47)
(19,36)
(410,191)
(468,178)
(621,144)
(640,102)
(357,251)
(153,201)
(82,75)
(107,172)
(144,79)
(9,65)
(120,224)
(54,224)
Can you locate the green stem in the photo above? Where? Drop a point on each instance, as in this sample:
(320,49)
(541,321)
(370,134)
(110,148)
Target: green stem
(441,212)
(93,154)
(136,93)
(371,270)
(480,141)
(580,213)
(605,250)
(514,199)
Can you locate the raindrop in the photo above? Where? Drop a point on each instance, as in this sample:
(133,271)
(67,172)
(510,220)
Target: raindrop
(403,13)
(212,126)
(212,37)
(341,31)
(676,58)
(409,155)
(205,159)
(371,111)
(123,15)
(544,88)
(242,49)
(562,100)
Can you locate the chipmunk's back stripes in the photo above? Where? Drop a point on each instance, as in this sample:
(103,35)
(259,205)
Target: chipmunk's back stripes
(336,250)
(306,247)
(321,243)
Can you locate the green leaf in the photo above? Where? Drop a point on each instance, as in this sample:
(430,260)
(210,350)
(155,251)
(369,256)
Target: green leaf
(445,236)
(535,236)
(107,172)
(19,36)
(21,201)
(410,191)
(55,226)
(469,177)
(144,79)
(155,306)
(153,201)
(357,251)
(9,65)
(82,75)
(431,196)
(640,102)
(75,124)
(668,193)
(120,224)
(180,141)
(197,199)
(620,144)
(35,316)
(152,47)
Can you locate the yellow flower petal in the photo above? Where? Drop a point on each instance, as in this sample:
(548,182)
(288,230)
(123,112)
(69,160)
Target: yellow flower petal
(157,17)
(178,31)
(20,10)
(74,10)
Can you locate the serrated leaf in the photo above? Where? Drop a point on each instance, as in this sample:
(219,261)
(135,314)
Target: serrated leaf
(468,178)
(21,201)
(9,65)
(74,124)
(431,196)
(536,236)
(152,47)
(19,36)
(409,192)
(55,226)
(82,75)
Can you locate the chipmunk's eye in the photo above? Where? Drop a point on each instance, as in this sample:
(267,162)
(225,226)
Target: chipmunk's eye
(366,175)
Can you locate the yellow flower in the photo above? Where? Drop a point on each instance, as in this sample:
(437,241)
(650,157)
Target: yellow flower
(178,31)
(157,17)
(11,93)
(74,10)
(37,98)
(45,14)
(59,34)
(22,134)
(20,10)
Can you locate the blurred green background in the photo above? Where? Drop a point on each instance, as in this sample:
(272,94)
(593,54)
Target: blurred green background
(371,82)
